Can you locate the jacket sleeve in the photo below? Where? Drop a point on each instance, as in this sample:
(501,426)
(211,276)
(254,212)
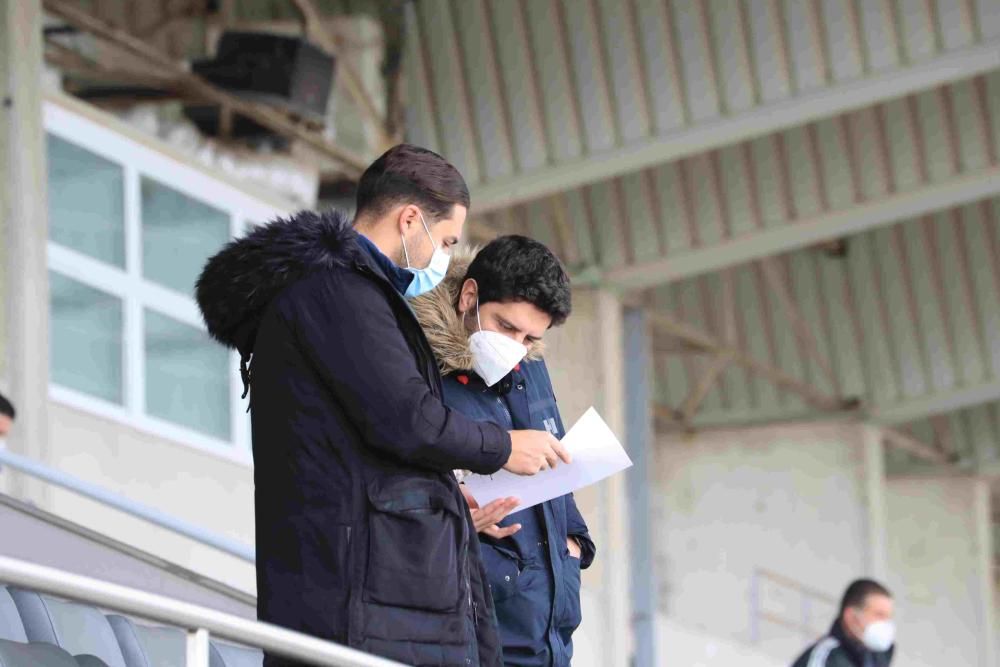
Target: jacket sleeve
(576,527)
(350,334)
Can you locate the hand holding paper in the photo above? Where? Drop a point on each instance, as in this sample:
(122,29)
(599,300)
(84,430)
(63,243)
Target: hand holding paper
(596,455)
(532,451)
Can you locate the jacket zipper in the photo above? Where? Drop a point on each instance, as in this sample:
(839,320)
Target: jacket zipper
(510,419)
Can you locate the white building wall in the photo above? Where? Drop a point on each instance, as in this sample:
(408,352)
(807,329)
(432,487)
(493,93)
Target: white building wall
(936,571)
(192,485)
(789,500)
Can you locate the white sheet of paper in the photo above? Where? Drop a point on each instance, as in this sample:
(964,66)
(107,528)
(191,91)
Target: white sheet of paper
(596,453)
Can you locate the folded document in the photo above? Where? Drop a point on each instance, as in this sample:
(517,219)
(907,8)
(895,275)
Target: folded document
(596,453)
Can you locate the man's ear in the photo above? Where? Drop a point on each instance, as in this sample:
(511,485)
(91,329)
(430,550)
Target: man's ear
(467,296)
(407,216)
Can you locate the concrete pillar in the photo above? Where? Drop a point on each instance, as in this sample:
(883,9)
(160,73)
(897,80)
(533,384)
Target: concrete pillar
(611,404)
(986,589)
(873,462)
(24,215)
(941,570)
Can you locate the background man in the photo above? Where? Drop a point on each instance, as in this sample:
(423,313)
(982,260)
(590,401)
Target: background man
(863,634)
(7,414)
(486,323)
(362,532)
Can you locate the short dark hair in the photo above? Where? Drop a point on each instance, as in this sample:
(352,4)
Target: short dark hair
(6,407)
(408,173)
(857,594)
(516,268)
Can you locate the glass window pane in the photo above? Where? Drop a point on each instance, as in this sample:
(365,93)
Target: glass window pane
(86,202)
(187,376)
(86,339)
(178,234)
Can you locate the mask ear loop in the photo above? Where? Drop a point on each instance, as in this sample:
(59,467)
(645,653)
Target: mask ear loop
(406,255)
(427,229)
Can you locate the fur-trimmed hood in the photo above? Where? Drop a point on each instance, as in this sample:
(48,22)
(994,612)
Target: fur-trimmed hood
(240,281)
(438,315)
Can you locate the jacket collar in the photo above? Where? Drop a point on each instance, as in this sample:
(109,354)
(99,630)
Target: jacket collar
(399,277)
(438,315)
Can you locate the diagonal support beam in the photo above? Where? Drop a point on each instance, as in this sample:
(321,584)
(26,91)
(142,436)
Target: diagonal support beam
(944,437)
(275,120)
(808,393)
(776,281)
(697,396)
(907,443)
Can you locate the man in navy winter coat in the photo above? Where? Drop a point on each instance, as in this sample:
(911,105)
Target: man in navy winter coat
(363,536)
(485,323)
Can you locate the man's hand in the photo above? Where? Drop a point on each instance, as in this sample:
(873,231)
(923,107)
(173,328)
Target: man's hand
(533,451)
(574,548)
(486,518)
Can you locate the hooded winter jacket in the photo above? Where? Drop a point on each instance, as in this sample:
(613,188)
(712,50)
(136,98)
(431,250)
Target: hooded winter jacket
(363,536)
(534,581)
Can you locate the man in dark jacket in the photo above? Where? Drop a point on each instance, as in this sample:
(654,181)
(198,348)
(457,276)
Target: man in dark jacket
(486,322)
(863,634)
(363,536)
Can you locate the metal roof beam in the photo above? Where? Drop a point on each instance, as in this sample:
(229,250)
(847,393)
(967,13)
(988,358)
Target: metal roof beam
(894,208)
(936,404)
(832,101)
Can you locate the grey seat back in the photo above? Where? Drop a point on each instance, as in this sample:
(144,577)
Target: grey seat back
(11,627)
(237,656)
(77,628)
(89,661)
(17,654)
(153,646)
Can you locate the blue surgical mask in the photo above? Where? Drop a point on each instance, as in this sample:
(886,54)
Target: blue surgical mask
(429,277)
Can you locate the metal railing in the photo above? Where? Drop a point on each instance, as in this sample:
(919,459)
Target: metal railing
(200,623)
(811,606)
(128,506)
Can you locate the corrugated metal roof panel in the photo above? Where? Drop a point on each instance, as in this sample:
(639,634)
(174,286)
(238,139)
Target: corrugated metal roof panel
(543,84)
(912,312)
(668,218)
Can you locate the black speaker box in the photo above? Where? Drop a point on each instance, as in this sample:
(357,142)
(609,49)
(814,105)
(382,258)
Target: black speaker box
(286,72)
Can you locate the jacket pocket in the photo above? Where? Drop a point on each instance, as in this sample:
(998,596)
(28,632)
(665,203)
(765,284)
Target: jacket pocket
(569,615)
(502,572)
(415,531)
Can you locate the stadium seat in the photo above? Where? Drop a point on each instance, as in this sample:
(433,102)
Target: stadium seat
(90,661)
(237,656)
(153,646)
(19,654)
(76,628)
(95,639)
(11,627)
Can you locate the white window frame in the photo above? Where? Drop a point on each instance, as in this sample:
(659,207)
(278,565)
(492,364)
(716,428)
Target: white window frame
(138,159)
